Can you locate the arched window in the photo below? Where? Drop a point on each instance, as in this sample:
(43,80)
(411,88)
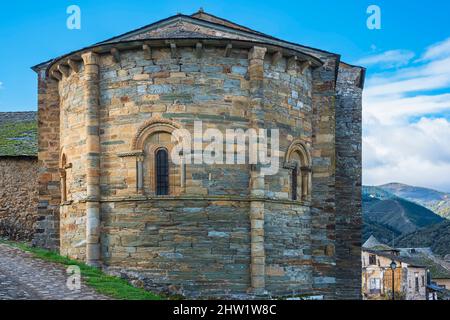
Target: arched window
(162,172)
(156,173)
(298,161)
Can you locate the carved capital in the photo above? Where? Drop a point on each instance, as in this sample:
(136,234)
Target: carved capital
(257,53)
(90,58)
(291,165)
(62,173)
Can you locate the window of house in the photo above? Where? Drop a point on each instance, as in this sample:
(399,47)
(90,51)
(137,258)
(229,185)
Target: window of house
(372,259)
(416,276)
(375,285)
(162,172)
(423,281)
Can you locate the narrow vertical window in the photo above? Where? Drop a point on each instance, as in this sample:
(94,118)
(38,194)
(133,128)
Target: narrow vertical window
(162,172)
(294,183)
(63,176)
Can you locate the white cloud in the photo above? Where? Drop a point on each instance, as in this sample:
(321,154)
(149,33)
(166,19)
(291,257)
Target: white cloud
(406,124)
(416,154)
(388,59)
(438,50)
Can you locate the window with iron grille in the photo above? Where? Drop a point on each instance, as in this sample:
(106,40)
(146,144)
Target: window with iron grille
(162,172)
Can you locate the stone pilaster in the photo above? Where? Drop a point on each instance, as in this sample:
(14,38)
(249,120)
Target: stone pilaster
(323,209)
(91,100)
(348,181)
(47,225)
(256,75)
(140,173)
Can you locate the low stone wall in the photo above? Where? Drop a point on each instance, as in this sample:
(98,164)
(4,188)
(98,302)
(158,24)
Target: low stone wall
(18,197)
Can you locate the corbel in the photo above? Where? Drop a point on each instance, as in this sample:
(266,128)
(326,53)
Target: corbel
(173,49)
(73,65)
(116,55)
(276,57)
(64,70)
(228,50)
(292,63)
(304,66)
(199,50)
(147,52)
(57,75)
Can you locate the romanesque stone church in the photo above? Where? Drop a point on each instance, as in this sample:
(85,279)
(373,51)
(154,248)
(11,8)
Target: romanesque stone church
(110,195)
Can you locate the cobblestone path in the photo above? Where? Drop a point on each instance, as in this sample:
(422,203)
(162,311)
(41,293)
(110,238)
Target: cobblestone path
(23,277)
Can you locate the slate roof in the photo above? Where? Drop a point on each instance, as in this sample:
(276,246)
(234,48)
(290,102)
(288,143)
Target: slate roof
(373,244)
(425,257)
(199,25)
(420,258)
(18,134)
(409,261)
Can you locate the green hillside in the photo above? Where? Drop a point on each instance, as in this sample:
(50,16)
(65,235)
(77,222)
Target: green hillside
(395,214)
(18,134)
(437,237)
(438,202)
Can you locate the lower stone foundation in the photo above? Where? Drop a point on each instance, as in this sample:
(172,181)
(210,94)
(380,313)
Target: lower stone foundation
(197,248)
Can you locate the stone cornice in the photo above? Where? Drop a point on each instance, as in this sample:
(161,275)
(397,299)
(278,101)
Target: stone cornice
(194,198)
(134,153)
(148,44)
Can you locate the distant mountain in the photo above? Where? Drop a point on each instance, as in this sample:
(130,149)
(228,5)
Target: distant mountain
(391,218)
(437,237)
(396,215)
(438,202)
(382,232)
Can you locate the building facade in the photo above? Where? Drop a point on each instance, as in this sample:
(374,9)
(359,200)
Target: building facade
(408,280)
(18,175)
(110,194)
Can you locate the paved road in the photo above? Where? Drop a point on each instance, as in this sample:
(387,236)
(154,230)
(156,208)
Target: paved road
(23,278)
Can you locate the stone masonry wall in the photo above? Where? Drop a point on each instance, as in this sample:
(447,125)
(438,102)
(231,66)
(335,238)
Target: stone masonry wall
(18,197)
(323,206)
(198,240)
(192,247)
(223,230)
(47,226)
(348,181)
(288,249)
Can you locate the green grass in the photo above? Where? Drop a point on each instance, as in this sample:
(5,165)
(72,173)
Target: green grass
(111,286)
(18,138)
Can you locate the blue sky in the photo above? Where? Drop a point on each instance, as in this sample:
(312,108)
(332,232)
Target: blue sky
(406,104)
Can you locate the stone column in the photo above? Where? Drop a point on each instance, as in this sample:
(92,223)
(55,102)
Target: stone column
(91,100)
(63,175)
(256,74)
(306,174)
(140,174)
